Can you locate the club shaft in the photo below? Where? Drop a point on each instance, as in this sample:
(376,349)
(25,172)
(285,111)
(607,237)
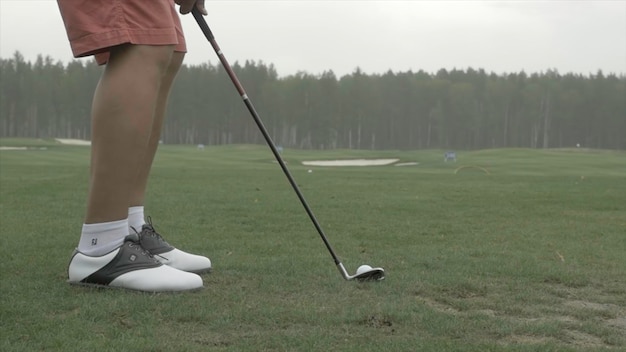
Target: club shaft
(233,77)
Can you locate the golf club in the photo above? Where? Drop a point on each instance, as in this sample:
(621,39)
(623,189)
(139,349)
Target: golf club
(365,272)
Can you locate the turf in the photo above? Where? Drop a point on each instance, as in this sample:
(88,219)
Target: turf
(505,250)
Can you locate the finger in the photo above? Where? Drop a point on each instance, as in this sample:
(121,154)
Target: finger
(186,6)
(200,6)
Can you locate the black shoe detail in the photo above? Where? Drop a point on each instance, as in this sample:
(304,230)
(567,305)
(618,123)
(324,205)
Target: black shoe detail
(130,257)
(152,241)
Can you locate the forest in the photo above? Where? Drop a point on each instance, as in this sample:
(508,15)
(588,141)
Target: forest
(449,109)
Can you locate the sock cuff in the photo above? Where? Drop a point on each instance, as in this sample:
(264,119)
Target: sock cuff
(102,227)
(135,219)
(101,238)
(135,210)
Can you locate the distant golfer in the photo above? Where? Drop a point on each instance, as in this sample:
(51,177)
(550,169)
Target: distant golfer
(142,45)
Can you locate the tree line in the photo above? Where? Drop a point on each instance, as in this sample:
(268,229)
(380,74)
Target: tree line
(449,109)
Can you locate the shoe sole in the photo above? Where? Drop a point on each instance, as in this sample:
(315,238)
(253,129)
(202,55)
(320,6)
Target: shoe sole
(201,271)
(108,287)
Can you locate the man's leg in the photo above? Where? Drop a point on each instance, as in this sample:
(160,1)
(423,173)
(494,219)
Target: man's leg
(124,109)
(122,116)
(138,191)
(150,239)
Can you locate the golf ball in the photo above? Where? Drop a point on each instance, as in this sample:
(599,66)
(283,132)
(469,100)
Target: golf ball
(362,269)
(310,171)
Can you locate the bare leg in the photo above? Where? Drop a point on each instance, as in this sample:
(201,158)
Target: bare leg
(124,107)
(138,191)
(155,244)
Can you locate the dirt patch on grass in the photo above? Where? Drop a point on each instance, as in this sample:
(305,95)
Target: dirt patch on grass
(437,306)
(581,339)
(377,322)
(591,306)
(545,319)
(561,321)
(571,337)
(619,323)
(527,340)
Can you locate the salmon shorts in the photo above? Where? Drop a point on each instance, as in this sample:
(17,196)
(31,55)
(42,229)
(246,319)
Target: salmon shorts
(94,26)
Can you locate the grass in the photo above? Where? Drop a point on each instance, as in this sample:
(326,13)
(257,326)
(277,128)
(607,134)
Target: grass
(527,258)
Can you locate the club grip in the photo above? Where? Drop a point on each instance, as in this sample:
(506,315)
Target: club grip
(202,23)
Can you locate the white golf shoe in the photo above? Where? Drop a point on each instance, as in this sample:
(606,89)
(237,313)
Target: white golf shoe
(131,267)
(165,253)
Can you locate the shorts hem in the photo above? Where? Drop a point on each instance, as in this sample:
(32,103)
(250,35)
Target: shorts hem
(100,42)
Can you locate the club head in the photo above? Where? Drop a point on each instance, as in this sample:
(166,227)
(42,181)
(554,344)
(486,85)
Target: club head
(373,274)
(370,274)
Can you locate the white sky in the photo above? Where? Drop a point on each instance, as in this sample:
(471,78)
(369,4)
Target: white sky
(339,35)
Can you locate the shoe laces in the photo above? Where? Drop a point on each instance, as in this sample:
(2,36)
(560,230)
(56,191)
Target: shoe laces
(148,230)
(134,243)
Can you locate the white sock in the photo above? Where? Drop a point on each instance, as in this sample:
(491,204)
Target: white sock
(101,238)
(135,219)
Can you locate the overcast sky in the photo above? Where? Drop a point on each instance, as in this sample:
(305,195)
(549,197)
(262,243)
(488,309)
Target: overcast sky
(339,35)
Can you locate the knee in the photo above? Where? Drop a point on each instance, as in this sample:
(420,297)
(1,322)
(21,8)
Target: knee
(175,64)
(158,57)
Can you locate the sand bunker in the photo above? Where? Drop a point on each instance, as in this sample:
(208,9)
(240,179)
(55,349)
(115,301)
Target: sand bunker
(353,162)
(66,141)
(73,141)
(13,148)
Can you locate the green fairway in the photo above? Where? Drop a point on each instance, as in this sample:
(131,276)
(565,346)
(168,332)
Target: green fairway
(504,250)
